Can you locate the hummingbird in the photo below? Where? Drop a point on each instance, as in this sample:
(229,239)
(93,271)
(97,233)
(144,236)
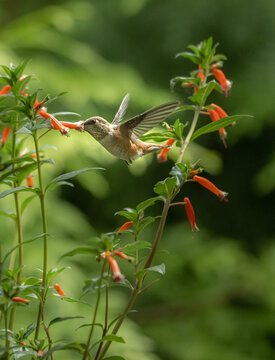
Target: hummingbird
(121,139)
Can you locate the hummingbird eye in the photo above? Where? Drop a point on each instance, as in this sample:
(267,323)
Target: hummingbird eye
(91,122)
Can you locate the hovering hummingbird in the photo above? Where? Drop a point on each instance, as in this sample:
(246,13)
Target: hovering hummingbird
(122,139)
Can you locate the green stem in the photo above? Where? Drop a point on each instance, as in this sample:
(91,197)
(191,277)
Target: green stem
(45,237)
(95,312)
(6,332)
(136,290)
(198,109)
(105,329)
(19,228)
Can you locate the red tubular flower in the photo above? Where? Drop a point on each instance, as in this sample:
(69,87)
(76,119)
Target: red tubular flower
(126,225)
(40,352)
(201,73)
(122,255)
(194,172)
(59,290)
(219,75)
(211,187)
(190,214)
(5,135)
(5,90)
(29,180)
(162,156)
(55,123)
(217,114)
(115,269)
(76,126)
(23,343)
(19,299)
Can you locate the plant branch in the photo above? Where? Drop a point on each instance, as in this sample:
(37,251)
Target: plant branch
(95,312)
(45,239)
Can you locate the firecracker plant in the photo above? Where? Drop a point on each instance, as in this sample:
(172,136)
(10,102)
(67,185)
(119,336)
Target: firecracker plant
(24,116)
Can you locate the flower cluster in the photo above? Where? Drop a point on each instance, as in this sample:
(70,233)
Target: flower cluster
(117,275)
(62,126)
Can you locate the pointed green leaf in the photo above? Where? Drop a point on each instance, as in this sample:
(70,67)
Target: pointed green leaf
(166,187)
(130,214)
(60,319)
(26,202)
(147,203)
(14,190)
(130,249)
(201,96)
(80,251)
(8,213)
(216,125)
(158,269)
(72,174)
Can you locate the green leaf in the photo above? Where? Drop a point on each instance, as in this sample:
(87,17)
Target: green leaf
(114,358)
(178,129)
(14,190)
(53,186)
(158,269)
(196,59)
(24,243)
(159,137)
(18,71)
(203,93)
(166,187)
(86,325)
(8,213)
(111,337)
(54,272)
(16,161)
(147,203)
(60,319)
(216,125)
(179,171)
(30,329)
(72,174)
(142,224)
(23,130)
(80,251)
(26,202)
(63,346)
(130,214)
(130,249)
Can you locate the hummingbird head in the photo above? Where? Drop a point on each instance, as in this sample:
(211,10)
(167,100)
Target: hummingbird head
(97,127)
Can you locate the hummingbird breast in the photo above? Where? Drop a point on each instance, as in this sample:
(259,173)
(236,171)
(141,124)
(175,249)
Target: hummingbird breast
(122,146)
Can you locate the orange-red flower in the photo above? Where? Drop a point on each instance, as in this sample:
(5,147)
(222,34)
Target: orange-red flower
(59,290)
(194,172)
(219,75)
(217,114)
(122,255)
(5,135)
(55,123)
(29,180)
(23,343)
(5,90)
(19,299)
(211,187)
(115,269)
(40,352)
(126,226)
(76,125)
(162,156)
(190,214)
(201,73)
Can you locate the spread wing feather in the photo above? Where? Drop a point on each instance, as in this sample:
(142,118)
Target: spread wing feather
(142,123)
(121,111)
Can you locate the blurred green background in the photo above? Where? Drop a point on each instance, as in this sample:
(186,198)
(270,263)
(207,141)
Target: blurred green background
(217,300)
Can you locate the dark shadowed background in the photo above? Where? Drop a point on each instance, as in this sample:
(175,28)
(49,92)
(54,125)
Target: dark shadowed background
(217,299)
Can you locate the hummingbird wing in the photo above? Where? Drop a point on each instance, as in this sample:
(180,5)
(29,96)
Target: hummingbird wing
(121,110)
(144,122)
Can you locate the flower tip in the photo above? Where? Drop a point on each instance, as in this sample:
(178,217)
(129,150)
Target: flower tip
(223,196)
(119,277)
(162,158)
